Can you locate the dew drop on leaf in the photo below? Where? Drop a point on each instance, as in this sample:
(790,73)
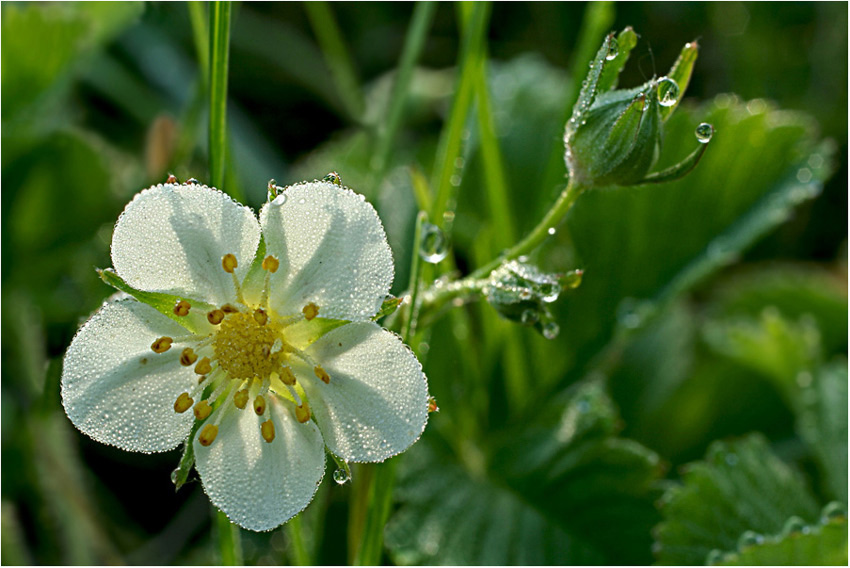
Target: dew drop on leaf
(668,92)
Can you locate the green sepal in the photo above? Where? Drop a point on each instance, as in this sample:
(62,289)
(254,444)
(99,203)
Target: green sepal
(589,88)
(180,475)
(626,41)
(676,171)
(164,303)
(681,73)
(390,305)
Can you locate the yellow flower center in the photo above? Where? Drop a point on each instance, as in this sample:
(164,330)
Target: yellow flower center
(245,349)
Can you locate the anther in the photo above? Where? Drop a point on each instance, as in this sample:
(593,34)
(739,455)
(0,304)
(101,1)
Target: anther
(267,430)
(202,410)
(171,179)
(240,399)
(260,316)
(322,374)
(208,434)
(183,403)
(228,263)
(310,311)
(271,263)
(182,307)
(432,404)
(161,345)
(287,377)
(215,316)
(228,309)
(188,357)
(259,405)
(203,367)
(302,412)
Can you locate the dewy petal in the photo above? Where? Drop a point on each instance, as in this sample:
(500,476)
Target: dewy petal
(118,391)
(260,485)
(376,403)
(171,238)
(332,250)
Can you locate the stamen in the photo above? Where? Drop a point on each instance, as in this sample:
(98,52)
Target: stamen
(215,317)
(208,434)
(432,404)
(322,374)
(267,430)
(182,307)
(287,377)
(171,179)
(229,263)
(259,405)
(183,403)
(295,395)
(228,309)
(188,357)
(271,264)
(202,410)
(203,367)
(310,311)
(302,412)
(240,399)
(261,316)
(161,345)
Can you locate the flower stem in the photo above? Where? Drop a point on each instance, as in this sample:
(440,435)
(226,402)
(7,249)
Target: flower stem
(219,60)
(295,532)
(229,541)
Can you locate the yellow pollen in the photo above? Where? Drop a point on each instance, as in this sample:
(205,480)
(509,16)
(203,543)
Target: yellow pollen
(261,316)
(182,307)
(267,430)
(240,399)
(287,376)
(228,309)
(244,347)
(215,316)
(203,367)
(188,357)
(259,405)
(322,374)
(161,345)
(228,263)
(183,403)
(202,410)
(208,434)
(271,264)
(302,413)
(310,311)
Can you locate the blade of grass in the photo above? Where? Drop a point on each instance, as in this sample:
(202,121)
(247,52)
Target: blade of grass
(219,62)
(337,57)
(229,543)
(200,36)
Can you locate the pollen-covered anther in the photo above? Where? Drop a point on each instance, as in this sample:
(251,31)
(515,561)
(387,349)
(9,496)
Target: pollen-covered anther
(183,403)
(240,399)
(259,405)
(188,357)
(229,263)
(215,317)
(260,316)
(161,345)
(271,263)
(267,430)
(171,178)
(203,367)
(208,434)
(302,412)
(287,377)
(182,308)
(202,410)
(228,309)
(310,311)
(322,374)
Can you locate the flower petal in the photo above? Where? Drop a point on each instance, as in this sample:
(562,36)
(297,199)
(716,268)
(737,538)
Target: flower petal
(332,251)
(376,403)
(260,485)
(118,391)
(171,238)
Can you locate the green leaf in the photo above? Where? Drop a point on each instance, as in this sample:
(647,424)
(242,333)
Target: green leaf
(742,486)
(390,305)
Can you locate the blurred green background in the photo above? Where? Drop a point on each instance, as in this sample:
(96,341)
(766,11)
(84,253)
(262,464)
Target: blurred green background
(702,316)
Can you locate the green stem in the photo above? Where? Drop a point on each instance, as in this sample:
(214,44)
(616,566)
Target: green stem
(295,532)
(415,268)
(229,540)
(200,36)
(219,61)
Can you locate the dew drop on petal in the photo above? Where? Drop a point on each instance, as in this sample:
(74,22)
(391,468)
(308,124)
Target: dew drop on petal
(668,92)
(432,246)
(704,132)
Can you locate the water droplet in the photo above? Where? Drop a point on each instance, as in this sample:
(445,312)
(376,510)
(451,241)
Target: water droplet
(551,230)
(279,200)
(833,512)
(549,292)
(668,92)
(749,539)
(572,279)
(613,50)
(704,132)
(432,246)
(794,525)
(551,330)
(529,317)
(341,476)
(174,476)
(333,177)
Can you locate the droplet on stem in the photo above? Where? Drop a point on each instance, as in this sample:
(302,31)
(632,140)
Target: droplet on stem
(432,246)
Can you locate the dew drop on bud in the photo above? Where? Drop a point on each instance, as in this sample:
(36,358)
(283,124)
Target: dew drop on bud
(704,132)
(340,476)
(613,50)
(668,92)
(432,246)
(551,330)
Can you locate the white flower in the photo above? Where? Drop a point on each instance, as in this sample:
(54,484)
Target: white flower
(244,348)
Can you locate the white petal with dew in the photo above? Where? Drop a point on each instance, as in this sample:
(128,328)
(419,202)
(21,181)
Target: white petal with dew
(171,238)
(116,389)
(332,250)
(376,404)
(261,485)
